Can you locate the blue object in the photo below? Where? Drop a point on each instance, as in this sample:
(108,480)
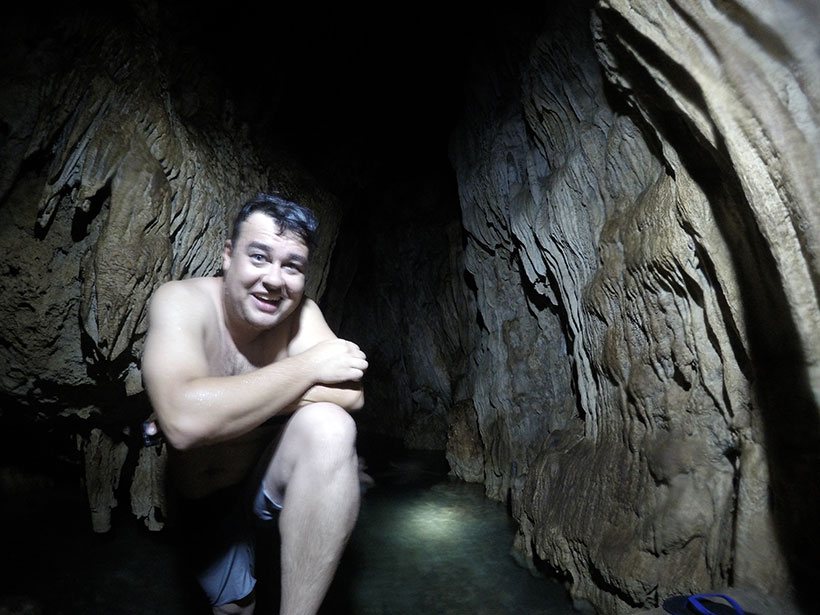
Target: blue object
(704,604)
(694,602)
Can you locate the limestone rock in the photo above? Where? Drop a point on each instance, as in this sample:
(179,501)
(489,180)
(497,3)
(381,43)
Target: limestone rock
(611,320)
(104,459)
(665,226)
(465,450)
(148,493)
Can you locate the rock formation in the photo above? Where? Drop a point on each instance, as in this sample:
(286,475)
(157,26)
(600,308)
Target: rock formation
(638,188)
(651,183)
(111,184)
(604,305)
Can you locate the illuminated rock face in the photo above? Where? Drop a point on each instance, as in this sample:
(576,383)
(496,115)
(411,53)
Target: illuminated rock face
(643,184)
(611,320)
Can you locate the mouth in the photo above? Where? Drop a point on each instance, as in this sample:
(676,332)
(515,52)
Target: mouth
(266,303)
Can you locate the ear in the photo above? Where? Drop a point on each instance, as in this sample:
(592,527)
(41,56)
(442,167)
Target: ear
(227,252)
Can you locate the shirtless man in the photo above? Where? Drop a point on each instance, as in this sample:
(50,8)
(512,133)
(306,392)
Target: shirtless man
(253,391)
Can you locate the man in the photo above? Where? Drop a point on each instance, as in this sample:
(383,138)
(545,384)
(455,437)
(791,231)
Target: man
(253,391)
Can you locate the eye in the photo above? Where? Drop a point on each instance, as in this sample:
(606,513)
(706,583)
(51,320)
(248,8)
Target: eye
(258,257)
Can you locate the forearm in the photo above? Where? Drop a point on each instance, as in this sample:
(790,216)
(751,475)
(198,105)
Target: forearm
(213,409)
(348,395)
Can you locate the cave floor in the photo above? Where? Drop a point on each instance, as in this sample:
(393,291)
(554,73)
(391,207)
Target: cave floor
(424,543)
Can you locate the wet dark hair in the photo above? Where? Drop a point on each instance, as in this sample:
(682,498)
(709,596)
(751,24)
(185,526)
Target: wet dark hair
(291,217)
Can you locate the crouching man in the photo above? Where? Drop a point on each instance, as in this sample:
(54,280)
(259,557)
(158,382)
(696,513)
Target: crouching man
(252,391)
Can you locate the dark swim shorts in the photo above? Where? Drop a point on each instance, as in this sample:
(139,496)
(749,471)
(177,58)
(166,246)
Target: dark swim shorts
(219,531)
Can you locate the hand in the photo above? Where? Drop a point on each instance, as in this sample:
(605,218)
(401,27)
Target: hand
(336,361)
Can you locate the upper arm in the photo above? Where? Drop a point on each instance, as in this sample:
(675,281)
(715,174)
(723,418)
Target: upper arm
(310,328)
(174,346)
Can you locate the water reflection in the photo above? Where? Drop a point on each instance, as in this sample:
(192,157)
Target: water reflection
(427,543)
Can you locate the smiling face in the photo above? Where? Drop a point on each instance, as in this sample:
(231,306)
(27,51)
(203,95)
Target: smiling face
(264,274)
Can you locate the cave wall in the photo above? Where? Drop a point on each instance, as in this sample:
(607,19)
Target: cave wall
(639,187)
(123,163)
(609,316)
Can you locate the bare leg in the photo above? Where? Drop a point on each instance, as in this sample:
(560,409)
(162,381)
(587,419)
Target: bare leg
(316,467)
(240,607)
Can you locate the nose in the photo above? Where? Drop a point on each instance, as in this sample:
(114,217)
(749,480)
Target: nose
(273,277)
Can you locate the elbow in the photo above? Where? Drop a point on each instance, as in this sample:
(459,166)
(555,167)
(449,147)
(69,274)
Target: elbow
(179,440)
(180,430)
(194,419)
(179,435)
(357,403)
(179,411)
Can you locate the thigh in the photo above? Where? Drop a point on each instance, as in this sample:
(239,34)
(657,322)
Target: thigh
(314,430)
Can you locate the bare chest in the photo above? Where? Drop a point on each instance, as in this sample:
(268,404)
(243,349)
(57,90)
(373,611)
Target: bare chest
(226,359)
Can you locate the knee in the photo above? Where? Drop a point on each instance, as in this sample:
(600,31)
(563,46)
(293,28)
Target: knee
(327,429)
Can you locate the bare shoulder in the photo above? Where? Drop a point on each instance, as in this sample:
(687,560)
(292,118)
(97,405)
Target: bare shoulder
(190,292)
(310,309)
(192,298)
(183,290)
(309,327)
(310,316)
(180,314)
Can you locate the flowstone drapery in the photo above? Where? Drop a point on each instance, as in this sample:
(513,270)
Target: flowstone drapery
(654,177)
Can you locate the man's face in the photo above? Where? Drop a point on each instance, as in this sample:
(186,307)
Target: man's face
(264,273)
